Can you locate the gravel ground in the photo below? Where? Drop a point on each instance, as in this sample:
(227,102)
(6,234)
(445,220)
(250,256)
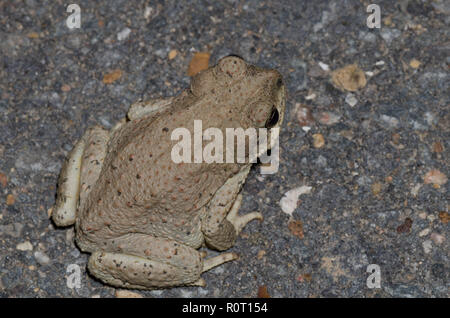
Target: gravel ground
(376,159)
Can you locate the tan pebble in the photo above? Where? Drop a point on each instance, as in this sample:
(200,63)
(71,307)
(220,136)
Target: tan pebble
(296,228)
(396,138)
(438,239)
(318,141)
(376,188)
(414,63)
(33,35)
(437,147)
(172,54)
(261,254)
(10,199)
(444,217)
(66,88)
(3,180)
(435,177)
(262,292)
(127,294)
(349,78)
(111,77)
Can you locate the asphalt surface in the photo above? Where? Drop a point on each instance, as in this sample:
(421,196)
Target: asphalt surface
(376,159)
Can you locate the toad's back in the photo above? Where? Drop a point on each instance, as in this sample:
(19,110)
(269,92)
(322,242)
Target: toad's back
(141,187)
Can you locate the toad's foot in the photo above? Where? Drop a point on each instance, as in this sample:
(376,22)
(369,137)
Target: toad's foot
(218,260)
(240,221)
(213,262)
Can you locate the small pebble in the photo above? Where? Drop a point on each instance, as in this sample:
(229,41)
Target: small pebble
(438,239)
(172,54)
(261,254)
(435,177)
(318,141)
(127,294)
(351,100)
(427,246)
(3,180)
(311,96)
(25,246)
(324,66)
(444,217)
(415,189)
(304,115)
(349,78)
(327,118)
(41,258)
(122,35)
(390,121)
(10,199)
(414,63)
(288,202)
(424,232)
(186,293)
(148,12)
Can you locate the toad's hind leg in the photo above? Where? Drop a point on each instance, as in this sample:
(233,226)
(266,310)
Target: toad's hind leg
(143,261)
(79,173)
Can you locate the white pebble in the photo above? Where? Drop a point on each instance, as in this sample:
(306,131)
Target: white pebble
(424,232)
(324,66)
(351,100)
(311,96)
(306,128)
(288,202)
(415,189)
(427,246)
(122,35)
(148,12)
(25,246)
(185,293)
(41,258)
(391,121)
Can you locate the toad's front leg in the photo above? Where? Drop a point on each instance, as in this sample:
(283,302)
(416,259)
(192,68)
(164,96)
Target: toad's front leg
(221,223)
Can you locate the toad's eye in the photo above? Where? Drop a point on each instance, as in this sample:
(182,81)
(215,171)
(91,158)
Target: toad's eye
(279,82)
(235,55)
(273,118)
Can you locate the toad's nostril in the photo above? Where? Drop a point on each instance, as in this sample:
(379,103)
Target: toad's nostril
(273,119)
